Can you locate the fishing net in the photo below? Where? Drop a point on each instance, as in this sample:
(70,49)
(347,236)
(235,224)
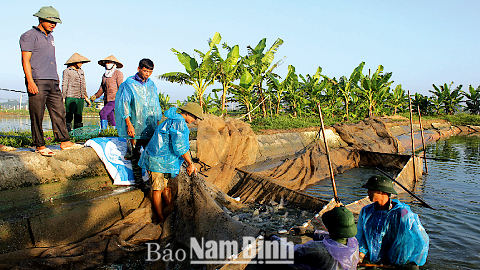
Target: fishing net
(225,145)
(85,133)
(201,205)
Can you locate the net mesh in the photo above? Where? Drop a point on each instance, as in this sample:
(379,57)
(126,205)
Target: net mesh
(85,133)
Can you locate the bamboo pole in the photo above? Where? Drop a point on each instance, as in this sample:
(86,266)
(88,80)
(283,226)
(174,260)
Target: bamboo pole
(423,140)
(406,189)
(411,136)
(335,196)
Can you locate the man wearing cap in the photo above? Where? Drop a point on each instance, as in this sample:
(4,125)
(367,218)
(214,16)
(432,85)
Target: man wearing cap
(74,90)
(335,249)
(388,231)
(111,81)
(41,78)
(165,153)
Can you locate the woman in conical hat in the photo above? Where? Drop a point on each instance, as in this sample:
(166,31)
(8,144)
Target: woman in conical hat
(74,90)
(111,80)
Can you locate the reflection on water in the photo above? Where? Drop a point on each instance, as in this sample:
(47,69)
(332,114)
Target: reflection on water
(451,187)
(22,123)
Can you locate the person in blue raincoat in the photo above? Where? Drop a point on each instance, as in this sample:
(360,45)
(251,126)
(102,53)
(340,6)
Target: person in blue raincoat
(137,109)
(165,153)
(388,231)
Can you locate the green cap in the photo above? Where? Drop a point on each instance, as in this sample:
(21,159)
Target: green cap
(194,109)
(340,223)
(380,183)
(48,14)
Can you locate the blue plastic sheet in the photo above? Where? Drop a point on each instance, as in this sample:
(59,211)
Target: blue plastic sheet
(169,142)
(393,236)
(140,103)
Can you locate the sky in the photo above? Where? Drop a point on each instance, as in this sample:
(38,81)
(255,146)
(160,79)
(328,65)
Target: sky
(421,42)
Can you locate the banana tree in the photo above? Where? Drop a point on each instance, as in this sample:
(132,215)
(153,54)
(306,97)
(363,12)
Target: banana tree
(329,100)
(243,92)
(294,96)
(423,102)
(200,76)
(374,89)
(346,87)
(280,88)
(227,70)
(259,63)
(449,99)
(473,100)
(164,101)
(313,86)
(397,99)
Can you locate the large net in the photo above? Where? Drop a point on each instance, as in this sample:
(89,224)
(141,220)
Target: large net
(203,210)
(225,145)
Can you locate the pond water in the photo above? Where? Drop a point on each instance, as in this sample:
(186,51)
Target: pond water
(22,123)
(451,187)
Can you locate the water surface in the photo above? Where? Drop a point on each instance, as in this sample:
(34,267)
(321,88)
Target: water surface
(22,123)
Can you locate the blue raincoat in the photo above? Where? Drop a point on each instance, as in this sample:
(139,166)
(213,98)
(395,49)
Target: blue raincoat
(393,236)
(170,141)
(140,103)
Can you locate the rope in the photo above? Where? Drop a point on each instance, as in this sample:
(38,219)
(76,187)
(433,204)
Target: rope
(253,108)
(18,91)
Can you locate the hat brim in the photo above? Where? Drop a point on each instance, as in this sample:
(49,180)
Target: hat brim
(69,63)
(387,190)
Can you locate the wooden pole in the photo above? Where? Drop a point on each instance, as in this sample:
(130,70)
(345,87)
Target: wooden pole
(335,196)
(423,140)
(411,136)
(404,188)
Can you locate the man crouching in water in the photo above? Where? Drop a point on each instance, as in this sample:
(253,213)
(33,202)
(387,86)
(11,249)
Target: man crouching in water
(166,152)
(388,231)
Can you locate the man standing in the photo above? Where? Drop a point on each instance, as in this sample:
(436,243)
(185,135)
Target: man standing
(388,231)
(41,79)
(137,109)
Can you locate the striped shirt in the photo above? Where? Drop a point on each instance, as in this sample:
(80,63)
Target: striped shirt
(73,84)
(109,86)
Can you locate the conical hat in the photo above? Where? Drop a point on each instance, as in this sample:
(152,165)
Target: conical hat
(110,58)
(77,58)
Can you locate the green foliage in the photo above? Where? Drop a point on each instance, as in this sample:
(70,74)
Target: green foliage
(422,102)
(226,70)
(463,119)
(289,122)
(374,90)
(347,87)
(397,100)
(473,100)
(200,76)
(348,98)
(446,100)
(164,101)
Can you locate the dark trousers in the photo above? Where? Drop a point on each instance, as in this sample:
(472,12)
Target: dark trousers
(108,113)
(74,110)
(49,94)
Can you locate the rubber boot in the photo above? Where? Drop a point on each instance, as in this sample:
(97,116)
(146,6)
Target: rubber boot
(77,125)
(103,124)
(69,127)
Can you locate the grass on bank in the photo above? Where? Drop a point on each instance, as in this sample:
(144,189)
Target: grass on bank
(281,122)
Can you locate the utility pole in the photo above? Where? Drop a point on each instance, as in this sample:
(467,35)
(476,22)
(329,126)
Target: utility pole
(20,106)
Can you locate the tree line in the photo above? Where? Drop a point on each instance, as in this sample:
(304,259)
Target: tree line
(251,82)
